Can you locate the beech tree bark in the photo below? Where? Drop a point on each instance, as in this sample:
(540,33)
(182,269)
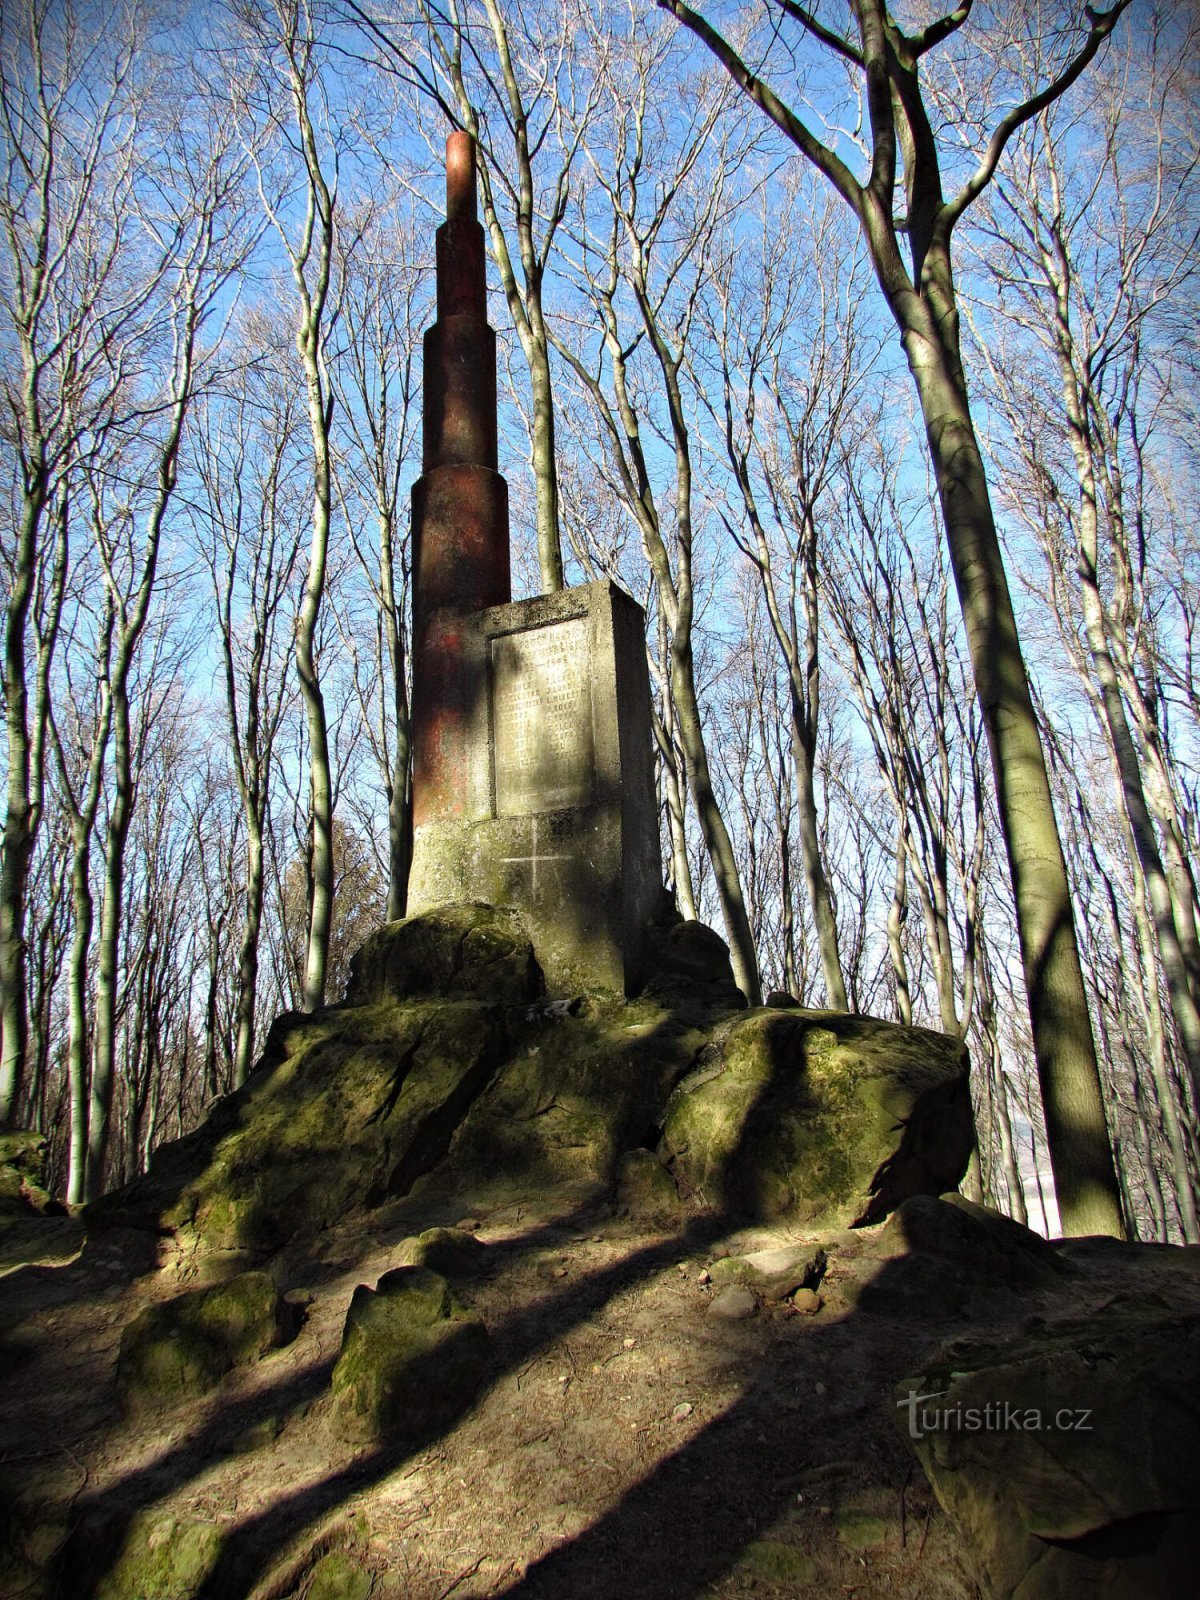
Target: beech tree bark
(904,161)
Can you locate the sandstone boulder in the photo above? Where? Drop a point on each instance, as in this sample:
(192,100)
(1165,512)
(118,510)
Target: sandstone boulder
(454,952)
(348,1108)
(412,1358)
(940,1257)
(181,1348)
(1067,1456)
(821,1118)
(23,1174)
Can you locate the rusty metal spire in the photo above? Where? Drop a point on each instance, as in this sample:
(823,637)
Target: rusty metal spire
(460,503)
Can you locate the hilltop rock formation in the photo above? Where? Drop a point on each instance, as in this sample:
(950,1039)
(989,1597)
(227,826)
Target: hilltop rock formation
(445,1065)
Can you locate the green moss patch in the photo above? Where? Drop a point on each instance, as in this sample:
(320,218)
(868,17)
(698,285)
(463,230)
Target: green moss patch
(412,1358)
(827,1119)
(182,1348)
(162,1558)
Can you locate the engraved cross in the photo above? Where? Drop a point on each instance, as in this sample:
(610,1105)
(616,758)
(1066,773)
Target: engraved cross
(532,861)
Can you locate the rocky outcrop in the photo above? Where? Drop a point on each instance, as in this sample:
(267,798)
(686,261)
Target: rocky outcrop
(181,1348)
(23,1175)
(446,1063)
(457,952)
(826,1119)
(348,1108)
(1067,1456)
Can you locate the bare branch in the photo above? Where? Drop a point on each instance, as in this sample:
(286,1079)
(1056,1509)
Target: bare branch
(1102,24)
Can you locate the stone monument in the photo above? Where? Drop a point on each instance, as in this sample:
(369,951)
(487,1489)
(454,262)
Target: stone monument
(533,779)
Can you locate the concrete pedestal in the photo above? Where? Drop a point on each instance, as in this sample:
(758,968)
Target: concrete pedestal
(547,799)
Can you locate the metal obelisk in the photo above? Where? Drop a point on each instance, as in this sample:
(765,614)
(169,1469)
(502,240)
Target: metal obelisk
(459,504)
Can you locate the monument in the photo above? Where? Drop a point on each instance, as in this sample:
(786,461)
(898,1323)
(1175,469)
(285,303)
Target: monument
(533,779)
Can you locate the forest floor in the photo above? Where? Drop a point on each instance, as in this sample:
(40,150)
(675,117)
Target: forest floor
(631,1442)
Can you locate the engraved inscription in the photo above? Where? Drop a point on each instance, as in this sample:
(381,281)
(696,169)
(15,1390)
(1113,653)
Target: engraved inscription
(542,719)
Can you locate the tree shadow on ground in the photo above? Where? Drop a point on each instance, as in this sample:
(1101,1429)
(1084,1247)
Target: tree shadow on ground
(673,1533)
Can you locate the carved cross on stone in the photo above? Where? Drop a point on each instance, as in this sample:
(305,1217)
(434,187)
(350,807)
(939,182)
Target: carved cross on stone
(533,861)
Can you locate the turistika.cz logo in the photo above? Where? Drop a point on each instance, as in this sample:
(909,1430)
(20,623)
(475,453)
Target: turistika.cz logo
(996,1416)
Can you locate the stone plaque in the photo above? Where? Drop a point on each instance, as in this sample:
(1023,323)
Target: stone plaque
(542,719)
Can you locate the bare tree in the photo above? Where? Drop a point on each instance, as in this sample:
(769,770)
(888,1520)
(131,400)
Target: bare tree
(250,517)
(648,238)
(905,167)
(1085,291)
(70,111)
(791,365)
(284,89)
(381,312)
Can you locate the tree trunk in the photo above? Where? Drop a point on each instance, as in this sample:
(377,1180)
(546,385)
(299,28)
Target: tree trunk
(897,912)
(77,1020)
(1081,1154)
(20,821)
(400,784)
(247,990)
(804,735)
(100,1098)
(712,823)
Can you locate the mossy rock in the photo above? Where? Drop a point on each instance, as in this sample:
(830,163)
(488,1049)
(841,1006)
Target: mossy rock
(182,1348)
(775,1562)
(860,1530)
(162,1558)
(412,1358)
(336,1577)
(22,1174)
(824,1119)
(689,962)
(450,1251)
(941,1257)
(1066,1456)
(455,951)
(645,1188)
(348,1108)
(575,1094)
(776,1273)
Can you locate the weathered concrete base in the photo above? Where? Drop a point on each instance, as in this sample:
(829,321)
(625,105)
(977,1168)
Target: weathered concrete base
(562,868)
(555,812)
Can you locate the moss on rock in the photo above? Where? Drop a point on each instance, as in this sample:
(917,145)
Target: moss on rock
(823,1118)
(347,1108)
(775,1562)
(412,1358)
(181,1348)
(23,1174)
(336,1577)
(451,1251)
(1066,1456)
(162,1558)
(455,951)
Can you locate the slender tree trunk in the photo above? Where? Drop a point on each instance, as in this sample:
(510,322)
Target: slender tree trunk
(897,912)
(1008,1154)
(310,333)
(1166,1092)
(712,824)
(247,993)
(20,821)
(400,786)
(1085,1176)
(1125,759)
(804,734)
(545,460)
(108,943)
(77,1019)
(674,795)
